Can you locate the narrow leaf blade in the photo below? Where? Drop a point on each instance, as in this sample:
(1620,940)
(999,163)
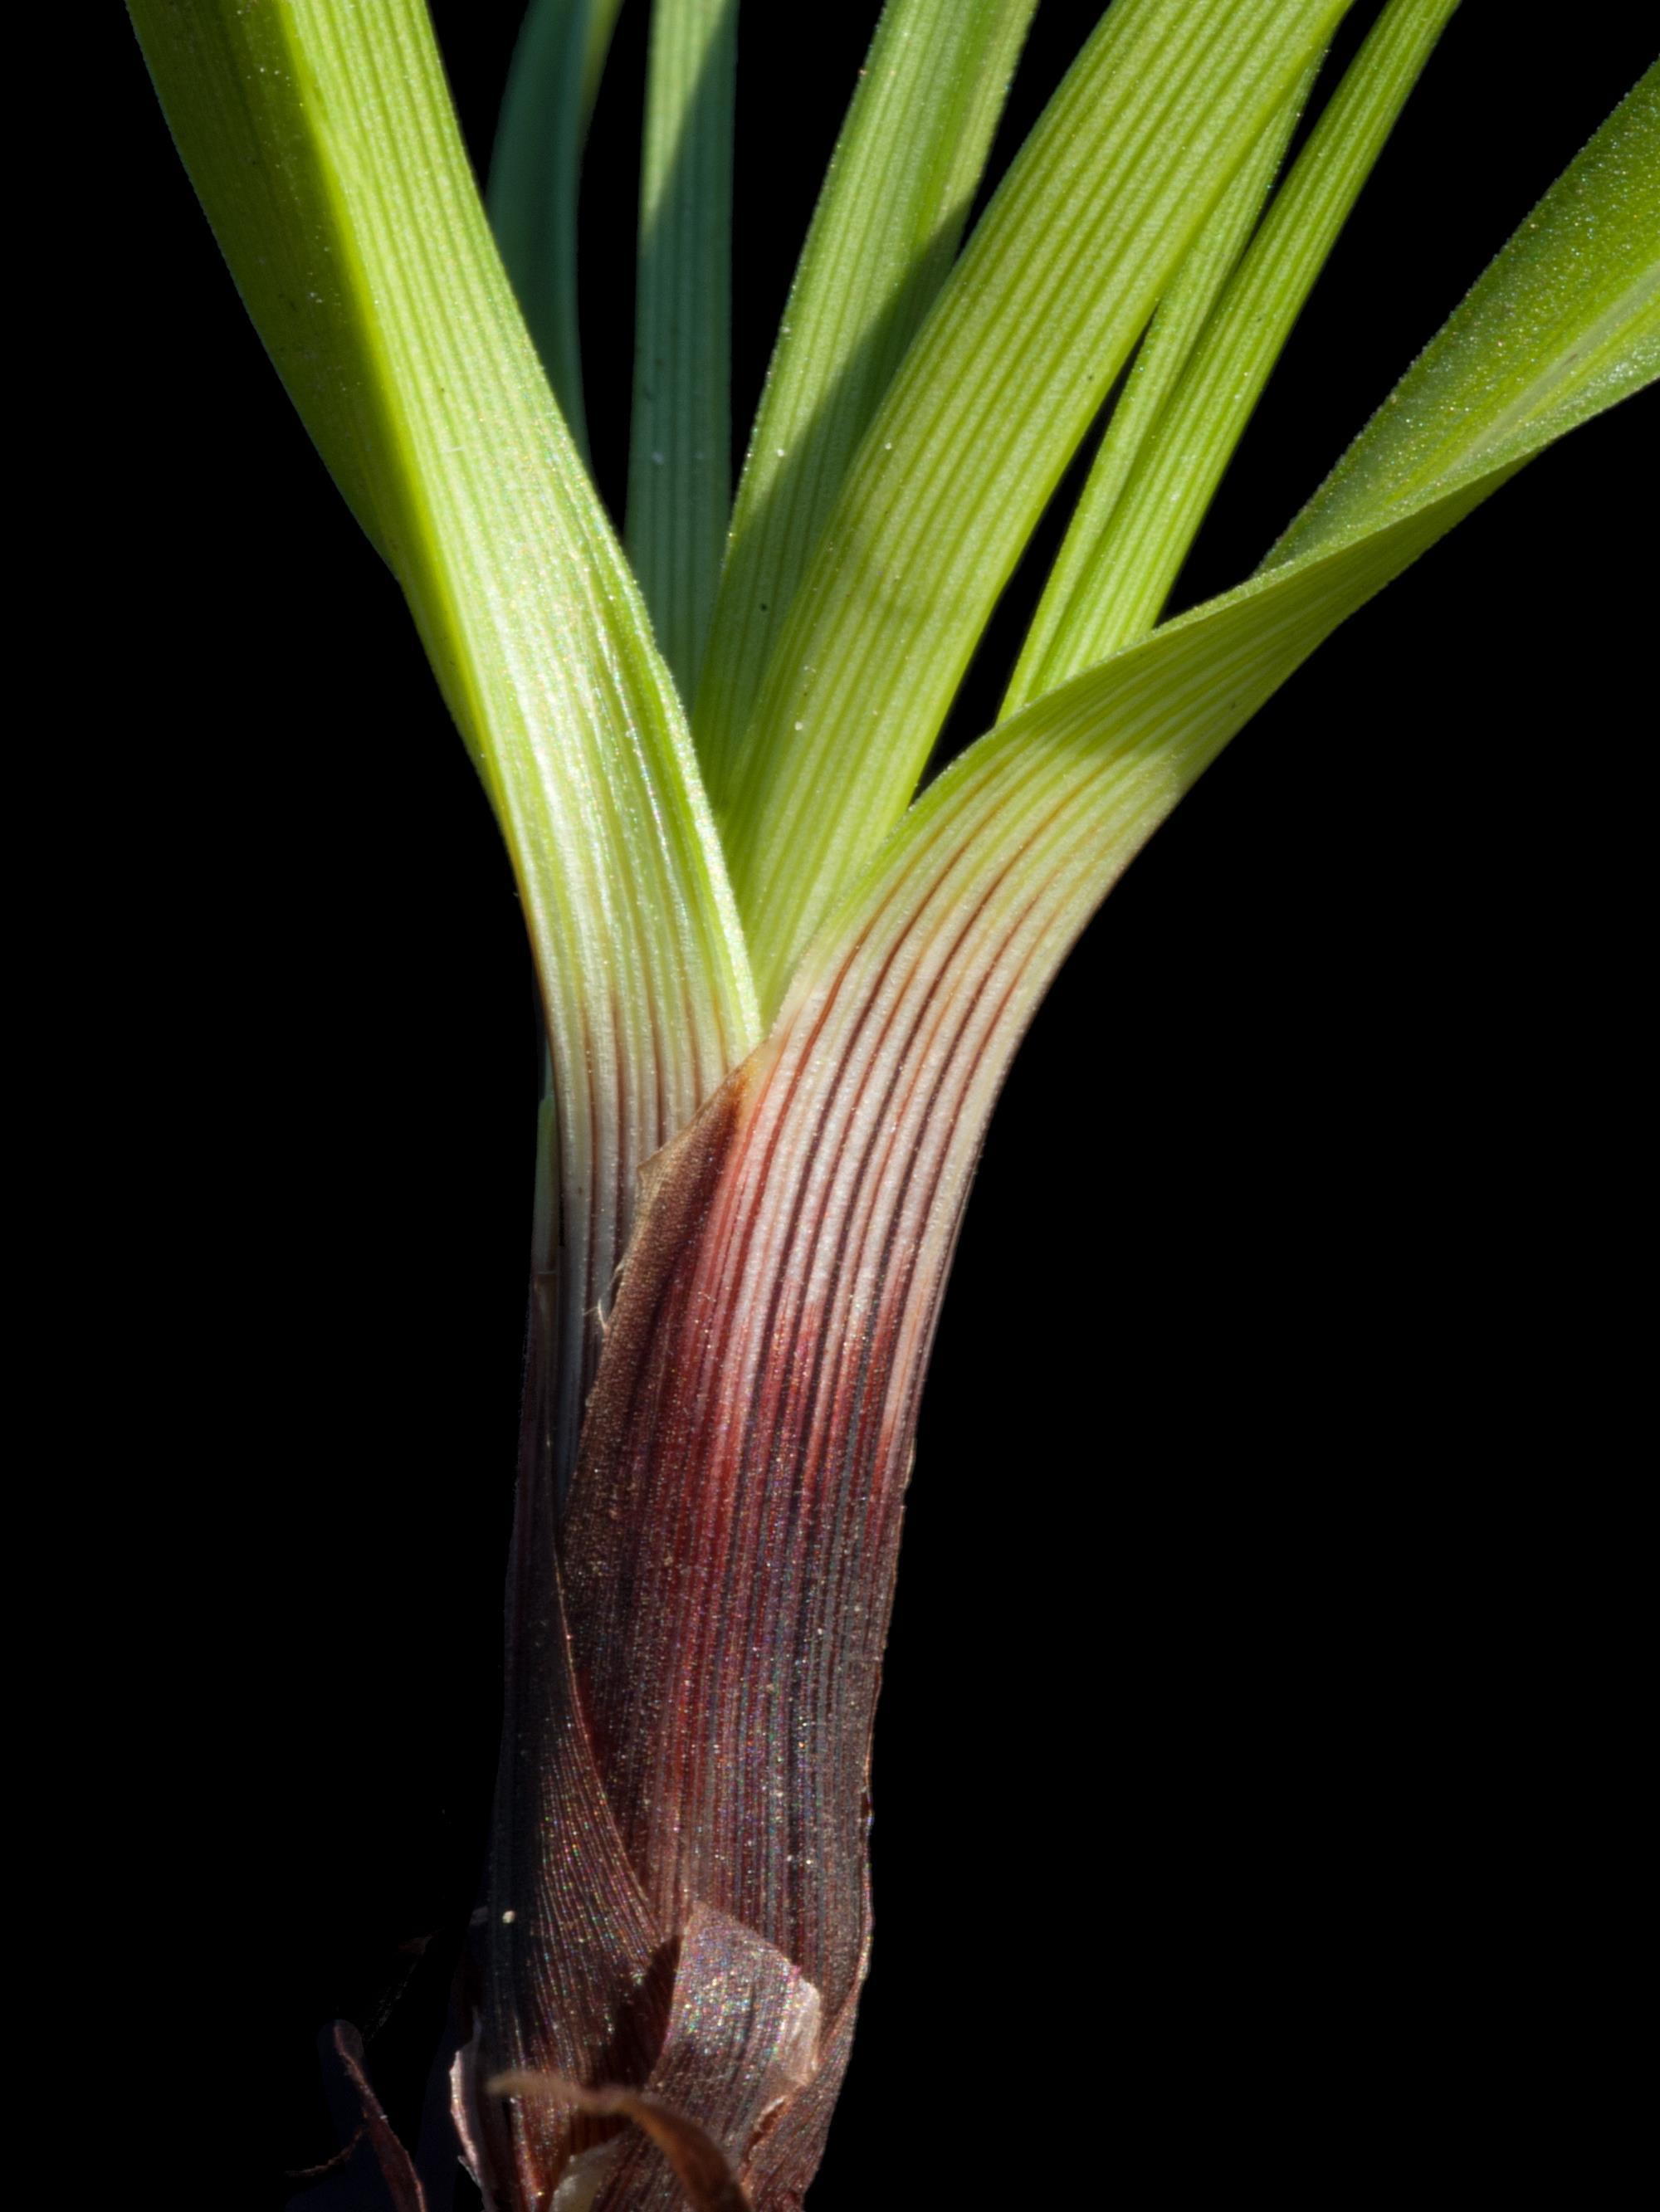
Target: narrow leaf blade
(1139,143)
(1046,657)
(1034,823)
(884,235)
(1126,574)
(1564,322)
(679,454)
(535,172)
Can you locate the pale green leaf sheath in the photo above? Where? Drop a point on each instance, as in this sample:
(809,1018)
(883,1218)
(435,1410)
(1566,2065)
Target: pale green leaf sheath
(904,172)
(680,448)
(1087,232)
(535,171)
(321,142)
(1154,374)
(1117,582)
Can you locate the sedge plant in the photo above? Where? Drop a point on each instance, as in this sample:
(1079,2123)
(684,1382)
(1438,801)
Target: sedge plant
(782,968)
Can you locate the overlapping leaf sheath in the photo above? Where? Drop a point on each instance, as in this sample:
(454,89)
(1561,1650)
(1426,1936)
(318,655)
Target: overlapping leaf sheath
(708,1651)
(680,1897)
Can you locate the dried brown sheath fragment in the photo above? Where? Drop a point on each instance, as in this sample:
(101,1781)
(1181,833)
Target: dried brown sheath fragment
(693,2169)
(742,2039)
(367,2140)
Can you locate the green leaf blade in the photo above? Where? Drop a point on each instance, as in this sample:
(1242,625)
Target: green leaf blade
(679,452)
(883,238)
(1050,653)
(1125,575)
(535,172)
(1059,281)
(1029,829)
(1564,322)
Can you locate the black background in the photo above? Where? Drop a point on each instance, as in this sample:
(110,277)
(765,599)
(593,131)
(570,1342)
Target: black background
(1250,1782)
